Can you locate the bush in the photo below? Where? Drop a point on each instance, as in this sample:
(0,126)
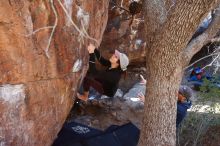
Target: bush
(210,89)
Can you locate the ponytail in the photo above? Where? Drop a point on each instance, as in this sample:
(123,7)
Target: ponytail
(123,73)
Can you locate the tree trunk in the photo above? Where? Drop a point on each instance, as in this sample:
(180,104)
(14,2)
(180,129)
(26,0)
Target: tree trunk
(166,41)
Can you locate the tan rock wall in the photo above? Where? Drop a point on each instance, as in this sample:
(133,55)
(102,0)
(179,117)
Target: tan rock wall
(124,34)
(37,86)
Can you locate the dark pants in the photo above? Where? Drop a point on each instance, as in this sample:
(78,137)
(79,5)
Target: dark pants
(90,82)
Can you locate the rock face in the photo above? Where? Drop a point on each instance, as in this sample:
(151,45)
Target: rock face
(123,33)
(43,58)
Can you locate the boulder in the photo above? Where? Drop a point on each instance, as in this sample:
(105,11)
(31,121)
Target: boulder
(124,33)
(43,58)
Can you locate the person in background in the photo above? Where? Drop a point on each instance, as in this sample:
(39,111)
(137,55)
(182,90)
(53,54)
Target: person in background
(183,102)
(104,82)
(197,74)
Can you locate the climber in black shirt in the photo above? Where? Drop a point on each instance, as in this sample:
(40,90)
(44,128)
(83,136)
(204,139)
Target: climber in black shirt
(105,82)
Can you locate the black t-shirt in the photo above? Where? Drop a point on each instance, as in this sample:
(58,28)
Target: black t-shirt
(109,78)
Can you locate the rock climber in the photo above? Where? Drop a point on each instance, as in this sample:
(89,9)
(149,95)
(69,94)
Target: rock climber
(104,82)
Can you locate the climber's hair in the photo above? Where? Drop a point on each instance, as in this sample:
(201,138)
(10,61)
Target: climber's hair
(124,73)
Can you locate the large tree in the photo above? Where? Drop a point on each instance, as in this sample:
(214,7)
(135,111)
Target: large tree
(169,26)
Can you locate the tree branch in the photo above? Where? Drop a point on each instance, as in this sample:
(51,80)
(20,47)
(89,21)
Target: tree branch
(210,64)
(210,55)
(53,29)
(120,7)
(83,33)
(197,43)
(216,39)
(37,30)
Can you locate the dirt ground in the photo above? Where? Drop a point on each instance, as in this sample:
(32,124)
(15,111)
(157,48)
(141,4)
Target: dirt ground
(102,116)
(212,137)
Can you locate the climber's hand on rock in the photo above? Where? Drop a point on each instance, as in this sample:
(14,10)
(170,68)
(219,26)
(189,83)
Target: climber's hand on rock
(91,48)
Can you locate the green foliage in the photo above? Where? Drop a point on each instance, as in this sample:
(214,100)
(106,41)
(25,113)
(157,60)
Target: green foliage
(204,115)
(194,128)
(209,89)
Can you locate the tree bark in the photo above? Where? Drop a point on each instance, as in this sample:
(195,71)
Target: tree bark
(165,43)
(206,37)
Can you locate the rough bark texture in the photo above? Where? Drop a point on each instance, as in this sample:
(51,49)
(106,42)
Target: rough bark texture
(165,43)
(36,92)
(206,37)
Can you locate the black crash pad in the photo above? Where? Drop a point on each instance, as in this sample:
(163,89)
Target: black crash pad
(75,134)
